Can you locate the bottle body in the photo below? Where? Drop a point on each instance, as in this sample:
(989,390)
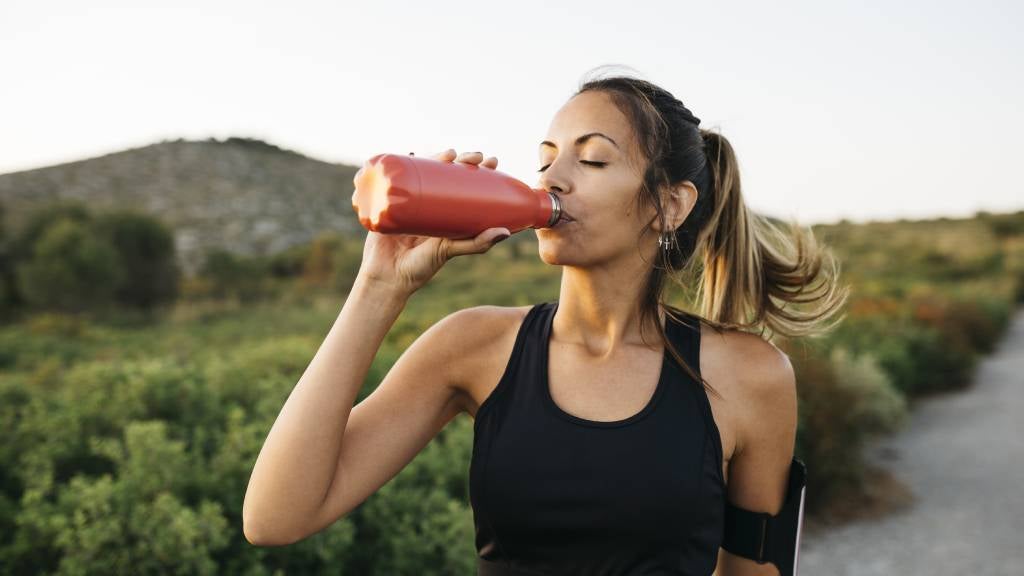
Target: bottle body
(399,194)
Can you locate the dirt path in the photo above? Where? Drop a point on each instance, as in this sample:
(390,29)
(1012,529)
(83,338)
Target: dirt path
(962,454)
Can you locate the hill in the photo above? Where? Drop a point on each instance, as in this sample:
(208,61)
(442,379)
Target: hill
(241,195)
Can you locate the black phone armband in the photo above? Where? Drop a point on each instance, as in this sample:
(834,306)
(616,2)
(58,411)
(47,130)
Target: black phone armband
(763,537)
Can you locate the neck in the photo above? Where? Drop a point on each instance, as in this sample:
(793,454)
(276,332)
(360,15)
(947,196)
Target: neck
(599,309)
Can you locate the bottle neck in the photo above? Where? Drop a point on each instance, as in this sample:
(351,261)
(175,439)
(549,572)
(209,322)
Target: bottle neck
(556,210)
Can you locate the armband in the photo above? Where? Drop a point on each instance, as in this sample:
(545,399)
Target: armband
(763,537)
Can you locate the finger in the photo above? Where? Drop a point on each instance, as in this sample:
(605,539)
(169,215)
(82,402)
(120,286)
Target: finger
(478,245)
(445,156)
(491,163)
(470,157)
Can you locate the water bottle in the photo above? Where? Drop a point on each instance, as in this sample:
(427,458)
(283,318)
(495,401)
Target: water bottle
(403,194)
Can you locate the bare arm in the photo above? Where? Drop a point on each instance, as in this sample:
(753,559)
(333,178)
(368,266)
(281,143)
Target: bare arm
(295,487)
(297,463)
(759,470)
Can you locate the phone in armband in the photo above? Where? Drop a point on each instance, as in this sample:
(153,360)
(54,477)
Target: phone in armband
(763,537)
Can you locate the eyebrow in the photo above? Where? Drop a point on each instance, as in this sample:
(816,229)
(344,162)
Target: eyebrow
(583,139)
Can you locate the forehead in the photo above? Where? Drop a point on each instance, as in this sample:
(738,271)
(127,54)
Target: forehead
(589,112)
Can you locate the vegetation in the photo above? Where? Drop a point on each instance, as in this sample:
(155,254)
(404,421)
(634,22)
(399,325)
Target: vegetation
(67,260)
(131,443)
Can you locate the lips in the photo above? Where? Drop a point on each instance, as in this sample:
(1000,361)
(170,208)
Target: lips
(562,221)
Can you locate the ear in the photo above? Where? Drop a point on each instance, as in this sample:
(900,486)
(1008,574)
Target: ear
(678,205)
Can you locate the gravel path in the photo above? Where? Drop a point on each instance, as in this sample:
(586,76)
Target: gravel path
(962,454)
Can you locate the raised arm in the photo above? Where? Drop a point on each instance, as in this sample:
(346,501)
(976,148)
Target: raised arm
(322,456)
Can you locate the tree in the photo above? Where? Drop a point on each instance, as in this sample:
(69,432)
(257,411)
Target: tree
(146,252)
(71,269)
(41,219)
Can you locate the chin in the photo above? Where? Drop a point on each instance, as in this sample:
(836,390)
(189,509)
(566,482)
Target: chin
(557,252)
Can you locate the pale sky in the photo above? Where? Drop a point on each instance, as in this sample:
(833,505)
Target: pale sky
(865,110)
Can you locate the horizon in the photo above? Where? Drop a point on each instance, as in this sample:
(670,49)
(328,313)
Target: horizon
(225,140)
(862,112)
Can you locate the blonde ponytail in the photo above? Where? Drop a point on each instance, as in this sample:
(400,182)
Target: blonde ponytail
(756,276)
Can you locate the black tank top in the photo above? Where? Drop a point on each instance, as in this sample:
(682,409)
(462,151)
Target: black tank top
(555,494)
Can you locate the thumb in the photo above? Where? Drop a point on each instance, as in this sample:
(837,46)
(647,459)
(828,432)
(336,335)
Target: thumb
(478,245)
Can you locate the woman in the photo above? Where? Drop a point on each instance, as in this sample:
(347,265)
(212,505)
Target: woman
(597,451)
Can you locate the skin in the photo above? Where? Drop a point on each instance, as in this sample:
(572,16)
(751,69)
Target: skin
(600,368)
(324,456)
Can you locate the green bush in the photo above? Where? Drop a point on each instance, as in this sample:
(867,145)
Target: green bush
(133,521)
(330,261)
(40,220)
(123,445)
(1004,225)
(231,276)
(71,269)
(844,400)
(348,257)
(145,248)
(878,406)
(66,259)
(288,263)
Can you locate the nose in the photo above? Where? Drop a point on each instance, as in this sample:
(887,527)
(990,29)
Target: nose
(552,182)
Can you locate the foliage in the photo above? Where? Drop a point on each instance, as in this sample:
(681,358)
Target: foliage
(71,269)
(145,249)
(132,445)
(66,259)
(38,222)
(229,276)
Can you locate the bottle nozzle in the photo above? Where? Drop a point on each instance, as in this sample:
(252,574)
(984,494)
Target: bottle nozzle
(556,209)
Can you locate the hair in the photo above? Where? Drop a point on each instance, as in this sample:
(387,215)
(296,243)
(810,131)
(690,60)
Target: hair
(739,269)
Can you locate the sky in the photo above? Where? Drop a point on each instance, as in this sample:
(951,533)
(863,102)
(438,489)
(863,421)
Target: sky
(868,110)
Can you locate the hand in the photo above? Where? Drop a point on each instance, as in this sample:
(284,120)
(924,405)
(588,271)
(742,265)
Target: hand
(406,262)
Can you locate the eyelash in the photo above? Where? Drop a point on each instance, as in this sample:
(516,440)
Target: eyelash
(594,164)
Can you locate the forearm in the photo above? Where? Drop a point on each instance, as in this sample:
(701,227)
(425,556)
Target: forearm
(297,463)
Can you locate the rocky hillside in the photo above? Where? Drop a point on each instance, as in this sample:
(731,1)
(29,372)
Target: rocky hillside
(246,196)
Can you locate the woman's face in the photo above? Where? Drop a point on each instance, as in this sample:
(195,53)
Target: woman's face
(600,198)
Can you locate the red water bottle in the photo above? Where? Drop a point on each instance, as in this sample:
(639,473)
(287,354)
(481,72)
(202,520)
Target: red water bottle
(399,194)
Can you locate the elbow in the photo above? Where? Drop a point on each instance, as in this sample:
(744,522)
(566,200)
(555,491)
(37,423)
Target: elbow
(263,531)
(258,535)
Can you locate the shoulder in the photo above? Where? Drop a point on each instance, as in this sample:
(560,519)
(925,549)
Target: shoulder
(481,324)
(758,368)
(479,342)
(765,384)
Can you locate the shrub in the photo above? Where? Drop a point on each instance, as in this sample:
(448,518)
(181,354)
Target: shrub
(347,259)
(231,276)
(878,406)
(136,521)
(288,263)
(318,268)
(844,400)
(40,220)
(71,269)
(146,251)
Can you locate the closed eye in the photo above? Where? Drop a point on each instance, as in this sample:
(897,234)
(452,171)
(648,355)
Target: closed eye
(595,164)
